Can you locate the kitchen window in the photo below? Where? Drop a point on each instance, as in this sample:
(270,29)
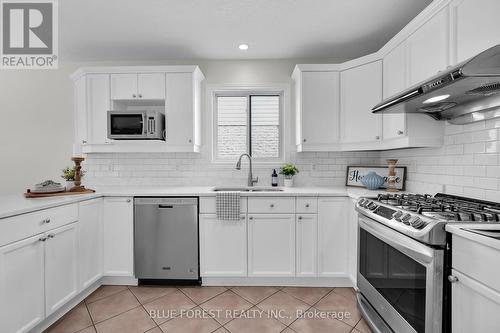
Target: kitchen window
(248,123)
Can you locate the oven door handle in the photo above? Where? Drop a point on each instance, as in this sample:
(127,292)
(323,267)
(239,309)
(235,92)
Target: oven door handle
(410,247)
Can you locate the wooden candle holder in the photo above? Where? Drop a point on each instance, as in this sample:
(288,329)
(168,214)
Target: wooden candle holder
(78,175)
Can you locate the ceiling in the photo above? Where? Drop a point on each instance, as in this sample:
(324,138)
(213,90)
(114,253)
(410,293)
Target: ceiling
(97,30)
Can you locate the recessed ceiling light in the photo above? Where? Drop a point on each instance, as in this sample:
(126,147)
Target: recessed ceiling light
(436,99)
(243,47)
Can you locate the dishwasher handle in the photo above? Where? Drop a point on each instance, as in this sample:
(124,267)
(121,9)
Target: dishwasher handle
(166,202)
(165,206)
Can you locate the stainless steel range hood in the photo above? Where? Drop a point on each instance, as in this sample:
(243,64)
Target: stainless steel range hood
(465,93)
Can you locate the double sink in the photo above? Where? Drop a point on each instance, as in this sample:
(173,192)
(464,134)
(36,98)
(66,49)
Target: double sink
(248,189)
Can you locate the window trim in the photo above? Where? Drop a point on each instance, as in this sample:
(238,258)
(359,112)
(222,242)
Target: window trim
(260,90)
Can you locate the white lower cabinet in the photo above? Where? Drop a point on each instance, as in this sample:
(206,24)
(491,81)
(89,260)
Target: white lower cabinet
(119,236)
(475,307)
(332,237)
(90,242)
(61,272)
(271,245)
(223,246)
(22,299)
(306,244)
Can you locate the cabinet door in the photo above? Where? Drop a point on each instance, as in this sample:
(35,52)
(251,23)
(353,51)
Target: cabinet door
(320,108)
(81,116)
(118,236)
(395,81)
(151,86)
(332,240)
(361,89)
(124,86)
(307,244)
(223,246)
(475,307)
(98,100)
(475,27)
(428,48)
(90,242)
(271,245)
(61,274)
(22,302)
(179,109)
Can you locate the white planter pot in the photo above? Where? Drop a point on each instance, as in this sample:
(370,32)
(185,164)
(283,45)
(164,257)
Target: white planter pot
(288,182)
(69,185)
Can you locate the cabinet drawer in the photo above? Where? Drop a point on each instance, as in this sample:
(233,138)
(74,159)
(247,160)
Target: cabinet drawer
(271,205)
(208,206)
(22,226)
(307,205)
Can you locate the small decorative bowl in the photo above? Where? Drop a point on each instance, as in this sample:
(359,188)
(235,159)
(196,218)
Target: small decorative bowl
(372,181)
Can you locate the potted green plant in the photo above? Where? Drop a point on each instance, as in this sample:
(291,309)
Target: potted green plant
(69,176)
(289,170)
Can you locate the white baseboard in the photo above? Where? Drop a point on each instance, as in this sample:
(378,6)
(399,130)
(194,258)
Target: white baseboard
(278,281)
(119,280)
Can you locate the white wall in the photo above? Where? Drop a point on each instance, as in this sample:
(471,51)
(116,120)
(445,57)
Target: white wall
(36,112)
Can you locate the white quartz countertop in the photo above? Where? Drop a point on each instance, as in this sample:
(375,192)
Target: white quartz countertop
(461,231)
(16,204)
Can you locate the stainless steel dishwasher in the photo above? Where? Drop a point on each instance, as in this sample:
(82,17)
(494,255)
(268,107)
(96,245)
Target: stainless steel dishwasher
(166,240)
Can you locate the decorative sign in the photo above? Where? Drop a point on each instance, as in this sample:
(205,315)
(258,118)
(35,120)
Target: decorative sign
(356,173)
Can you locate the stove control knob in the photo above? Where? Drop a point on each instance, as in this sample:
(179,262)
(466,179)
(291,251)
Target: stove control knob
(416,222)
(397,214)
(406,218)
(372,206)
(361,202)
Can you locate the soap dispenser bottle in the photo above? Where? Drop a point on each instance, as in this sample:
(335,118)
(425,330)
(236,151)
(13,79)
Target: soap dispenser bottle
(274,178)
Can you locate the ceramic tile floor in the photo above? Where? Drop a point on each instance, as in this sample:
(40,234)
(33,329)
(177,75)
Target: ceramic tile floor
(122,309)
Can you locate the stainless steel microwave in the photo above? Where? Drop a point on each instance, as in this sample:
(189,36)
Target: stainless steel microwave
(136,125)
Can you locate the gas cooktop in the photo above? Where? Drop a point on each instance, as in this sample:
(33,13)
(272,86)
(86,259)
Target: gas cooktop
(423,217)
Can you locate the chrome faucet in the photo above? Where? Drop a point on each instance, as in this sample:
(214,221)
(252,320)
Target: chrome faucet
(251,180)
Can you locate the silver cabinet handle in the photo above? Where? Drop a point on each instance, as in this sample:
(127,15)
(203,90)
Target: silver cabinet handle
(190,140)
(42,239)
(128,200)
(134,95)
(300,217)
(250,218)
(271,205)
(140,96)
(307,205)
(377,137)
(84,141)
(304,140)
(452,278)
(400,132)
(46,221)
(51,236)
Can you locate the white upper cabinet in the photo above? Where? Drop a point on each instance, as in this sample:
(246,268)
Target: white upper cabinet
(361,89)
(138,86)
(182,111)
(475,27)
(172,90)
(151,86)
(317,109)
(98,104)
(395,81)
(124,86)
(429,48)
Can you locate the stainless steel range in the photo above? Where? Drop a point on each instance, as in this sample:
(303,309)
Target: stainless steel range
(404,257)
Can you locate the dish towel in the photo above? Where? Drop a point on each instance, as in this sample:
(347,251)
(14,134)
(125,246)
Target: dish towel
(228,205)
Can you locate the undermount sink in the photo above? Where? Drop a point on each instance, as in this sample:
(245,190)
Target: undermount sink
(248,188)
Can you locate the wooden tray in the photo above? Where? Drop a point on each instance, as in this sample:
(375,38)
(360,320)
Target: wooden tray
(30,194)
